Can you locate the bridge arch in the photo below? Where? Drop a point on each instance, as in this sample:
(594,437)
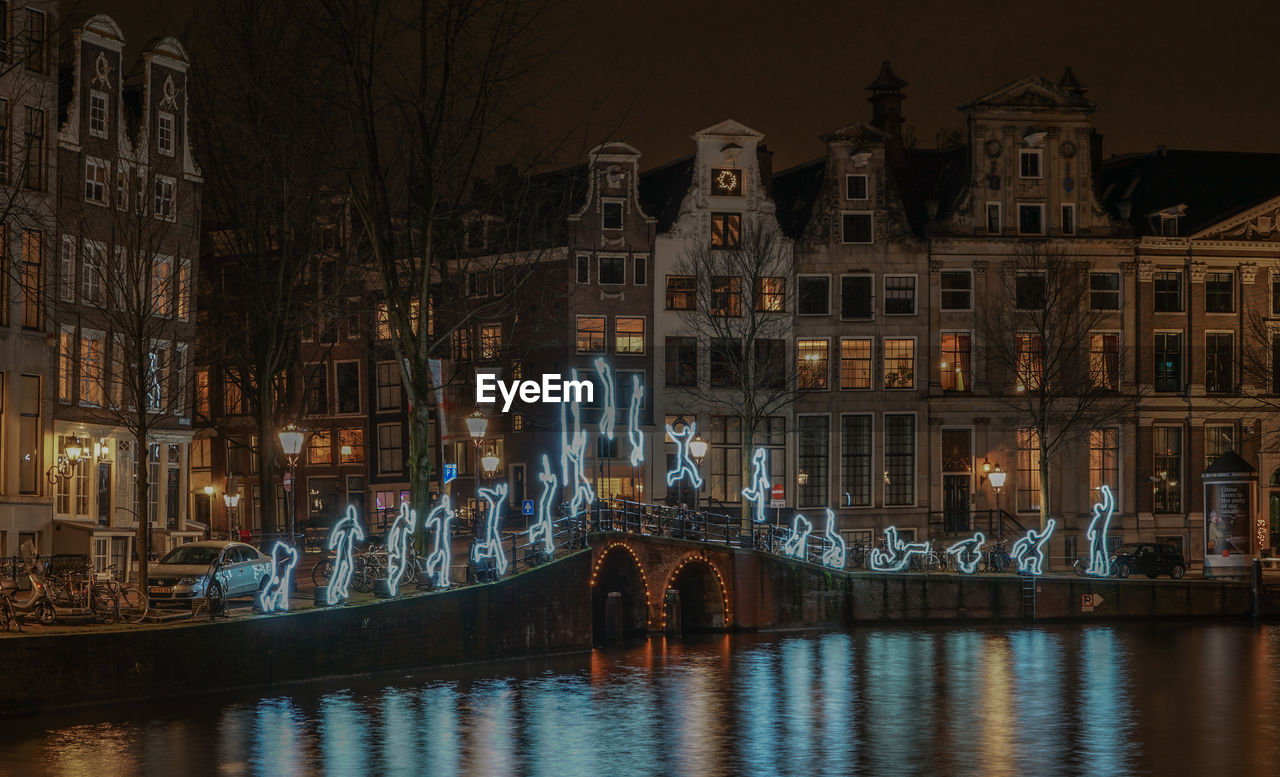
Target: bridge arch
(618,569)
(705,602)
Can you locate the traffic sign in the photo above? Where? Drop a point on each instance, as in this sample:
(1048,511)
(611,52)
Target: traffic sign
(526,507)
(1089,602)
(777,496)
(450,473)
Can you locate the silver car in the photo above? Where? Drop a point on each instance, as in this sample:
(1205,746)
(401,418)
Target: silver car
(214,571)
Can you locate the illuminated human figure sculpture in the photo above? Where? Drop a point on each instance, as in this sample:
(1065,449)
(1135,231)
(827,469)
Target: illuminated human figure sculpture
(797,544)
(634,434)
(437,563)
(542,530)
(342,541)
(1099,559)
(608,417)
(583,493)
(274,596)
(1028,552)
(398,538)
(896,554)
(684,461)
(760,489)
(834,554)
(968,553)
(491,545)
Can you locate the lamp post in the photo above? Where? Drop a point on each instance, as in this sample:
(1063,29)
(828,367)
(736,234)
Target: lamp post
(477,425)
(232,500)
(997,476)
(698,450)
(291,437)
(67,463)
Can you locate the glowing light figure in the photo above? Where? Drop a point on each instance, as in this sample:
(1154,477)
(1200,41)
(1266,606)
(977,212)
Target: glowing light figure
(968,553)
(437,564)
(1099,559)
(542,529)
(398,546)
(608,415)
(583,493)
(342,541)
(274,596)
(760,490)
(1028,552)
(834,554)
(491,545)
(684,462)
(797,544)
(634,434)
(896,554)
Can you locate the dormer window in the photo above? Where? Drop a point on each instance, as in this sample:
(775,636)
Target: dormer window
(164,133)
(726,182)
(1168,226)
(1168,219)
(611,214)
(855,187)
(97,113)
(1029,163)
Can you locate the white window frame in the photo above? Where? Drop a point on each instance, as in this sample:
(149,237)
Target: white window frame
(622,205)
(915,293)
(915,362)
(99,113)
(360,399)
(871,350)
(1119,333)
(166,133)
(1037,205)
(871,219)
(640,278)
(600,269)
(395,430)
(91,290)
(67,262)
(802,276)
(165,184)
(884,465)
(577,328)
(92,167)
(1119,291)
(942,291)
(840,294)
(1038,154)
(871,490)
(866,186)
(644,337)
(825,341)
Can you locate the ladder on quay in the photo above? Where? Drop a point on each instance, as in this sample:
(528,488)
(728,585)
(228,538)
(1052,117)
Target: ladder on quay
(1029,586)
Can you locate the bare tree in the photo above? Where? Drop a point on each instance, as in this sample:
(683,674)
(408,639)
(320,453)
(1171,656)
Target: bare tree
(1038,337)
(741,299)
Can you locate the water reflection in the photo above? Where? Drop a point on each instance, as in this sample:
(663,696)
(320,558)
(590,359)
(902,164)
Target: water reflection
(1101,701)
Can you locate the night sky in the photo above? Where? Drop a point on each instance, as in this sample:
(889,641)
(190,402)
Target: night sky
(1183,75)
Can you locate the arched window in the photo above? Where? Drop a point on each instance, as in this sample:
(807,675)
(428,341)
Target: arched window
(1275,477)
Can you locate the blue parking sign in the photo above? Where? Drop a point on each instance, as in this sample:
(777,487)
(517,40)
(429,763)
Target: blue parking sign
(526,507)
(450,472)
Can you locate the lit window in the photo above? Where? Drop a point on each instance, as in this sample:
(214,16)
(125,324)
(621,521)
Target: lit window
(726,230)
(770,294)
(320,447)
(855,364)
(956,366)
(682,292)
(1030,362)
(591,334)
(899,363)
(813,366)
(1028,484)
(726,296)
(490,341)
(628,335)
(1104,360)
(351,446)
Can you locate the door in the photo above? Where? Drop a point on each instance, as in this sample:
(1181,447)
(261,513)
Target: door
(957,478)
(955,503)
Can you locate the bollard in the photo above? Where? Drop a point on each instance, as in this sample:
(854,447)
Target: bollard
(321,596)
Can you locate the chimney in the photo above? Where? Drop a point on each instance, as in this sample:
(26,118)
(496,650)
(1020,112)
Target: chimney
(886,109)
(764,158)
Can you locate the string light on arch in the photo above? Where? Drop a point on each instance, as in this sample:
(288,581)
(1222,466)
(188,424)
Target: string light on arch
(274,596)
(644,579)
(724,589)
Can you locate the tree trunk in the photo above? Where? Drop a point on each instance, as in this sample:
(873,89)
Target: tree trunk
(420,466)
(1044,485)
(266,461)
(141,462)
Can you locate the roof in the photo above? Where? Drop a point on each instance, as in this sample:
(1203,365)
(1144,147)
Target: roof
(1229,463)
(1034,93)
(938,175)
(1213,185)
(662,189)
(887,81)
(794,192)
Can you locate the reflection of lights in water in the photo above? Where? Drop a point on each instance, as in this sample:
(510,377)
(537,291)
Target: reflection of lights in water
(234,727)
(278,742)
(900,702)
(439,729)
(998,725)
(557,718)
(797,669)
(399,751)
(756,691)
(962,655)
(1105,720)
(99,750)
(1037,659)
(836,736)
(488,730)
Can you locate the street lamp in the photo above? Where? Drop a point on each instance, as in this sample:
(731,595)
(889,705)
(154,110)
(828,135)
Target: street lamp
(997,476)
(489,462)
(67,463)
(232,501)
(698,450)
(477,425)
(291,437)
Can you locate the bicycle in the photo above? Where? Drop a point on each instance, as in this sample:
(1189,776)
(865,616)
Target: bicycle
(81,590)
(997,559)
(131,603)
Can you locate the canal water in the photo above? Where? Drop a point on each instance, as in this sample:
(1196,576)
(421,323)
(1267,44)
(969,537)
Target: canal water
(1158,699)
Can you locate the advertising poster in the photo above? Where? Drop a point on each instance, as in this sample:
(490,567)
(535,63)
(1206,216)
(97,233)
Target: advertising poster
(1228,520)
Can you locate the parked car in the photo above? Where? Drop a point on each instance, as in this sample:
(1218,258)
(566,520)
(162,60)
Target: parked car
(207,570)
(1148,558)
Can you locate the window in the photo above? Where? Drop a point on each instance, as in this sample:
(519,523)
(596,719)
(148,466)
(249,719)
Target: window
(1168,226)
(855,460)
(899,459)
(463,345)
(1275,292)
(591,334)
(726,183)
(1068,219)
(1104,291)
(164,133)
(35,148)
(347,384)
(123,176)
(584,268)
(813,297)
(813,453)
(184,290)
(993,218)
(317,390)
(1030,219)
(1219,352)
(390,449)
(161,285)
(350,446)
(164,198)
(92,367)
(726,296)
(202,392)
(957,290)
(233,394)
(726,230)
(159,371)
(682,292)
(899,363)
(320,447)
(957,362)
(66,363)
(30,473)
(1218,439)
(899,295)
(66,268)
(726,362)
(490,341)
(1166,450)
(1030,292)
(35,40)
(32,273)
(613,270)
(1028,484)
(1104,461)
(1168,291)
(628,335)
(725,439)
(855,363)
(771,362)
(611,214)
(682,361)
(855,228)
(1028,163)
(1218,288)
(1030,355)
(4,124)
(1168,349)
(640,270)
(770,294)
(813,368)
(855,187)
(477,284)
(388,375)
(855,296)
(1104,360)
(96,174)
